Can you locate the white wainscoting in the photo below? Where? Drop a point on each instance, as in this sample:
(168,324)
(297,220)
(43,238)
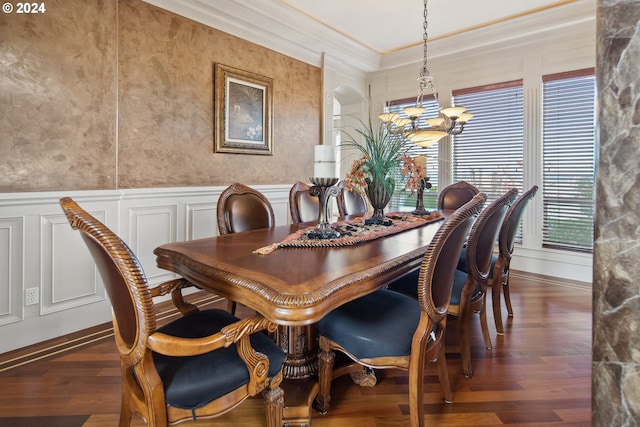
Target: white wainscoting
(38,249)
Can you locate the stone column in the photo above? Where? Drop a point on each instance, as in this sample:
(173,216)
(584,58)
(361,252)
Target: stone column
(616,287)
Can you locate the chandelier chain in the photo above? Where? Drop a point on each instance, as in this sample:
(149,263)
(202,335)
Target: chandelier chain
(425,36)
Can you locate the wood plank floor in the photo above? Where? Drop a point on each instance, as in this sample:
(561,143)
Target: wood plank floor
(538,374)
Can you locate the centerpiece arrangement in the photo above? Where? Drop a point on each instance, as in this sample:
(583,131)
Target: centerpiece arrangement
(414,170)
(374,173)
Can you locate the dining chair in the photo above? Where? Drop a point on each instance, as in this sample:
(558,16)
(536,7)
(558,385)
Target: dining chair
(455,195)
(470,286)
(499,278)
(350,202)
(499,271)
(242,208)
(199,365)
(386,329)
(303,206)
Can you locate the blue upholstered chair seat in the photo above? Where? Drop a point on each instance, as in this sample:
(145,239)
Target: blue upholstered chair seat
(459,279)
(376,325)
(187,380)
(462,262)
(407,284)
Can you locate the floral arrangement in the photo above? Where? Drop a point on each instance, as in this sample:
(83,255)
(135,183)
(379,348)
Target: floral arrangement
(381,156)
(415,171)
(356,179)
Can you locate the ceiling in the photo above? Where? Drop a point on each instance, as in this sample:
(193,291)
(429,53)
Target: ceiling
(370,35)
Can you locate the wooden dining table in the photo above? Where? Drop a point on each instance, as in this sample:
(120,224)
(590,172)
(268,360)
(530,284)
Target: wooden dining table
(295,286)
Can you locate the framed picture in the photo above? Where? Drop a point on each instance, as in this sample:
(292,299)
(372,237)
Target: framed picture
(243,105)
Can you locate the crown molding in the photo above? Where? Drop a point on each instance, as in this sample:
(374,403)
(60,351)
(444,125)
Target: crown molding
(273,26)
(287,31)
(512,33)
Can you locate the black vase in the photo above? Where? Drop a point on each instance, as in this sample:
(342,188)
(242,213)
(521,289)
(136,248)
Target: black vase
(379,196)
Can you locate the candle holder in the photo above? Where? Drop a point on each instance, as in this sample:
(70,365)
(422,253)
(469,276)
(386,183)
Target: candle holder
(420,209)
(323,188)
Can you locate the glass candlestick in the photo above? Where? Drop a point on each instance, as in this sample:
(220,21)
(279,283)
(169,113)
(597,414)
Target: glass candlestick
(323,188)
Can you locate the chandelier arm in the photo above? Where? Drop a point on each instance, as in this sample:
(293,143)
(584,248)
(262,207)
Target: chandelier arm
(456,130)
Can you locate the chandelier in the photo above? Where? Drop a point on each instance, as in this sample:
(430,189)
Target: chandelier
(450,121)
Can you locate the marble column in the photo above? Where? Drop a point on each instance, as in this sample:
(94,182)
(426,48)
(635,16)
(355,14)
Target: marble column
(616,298)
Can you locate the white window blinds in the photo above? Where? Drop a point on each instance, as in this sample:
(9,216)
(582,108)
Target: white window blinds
(489,153)
(568,160)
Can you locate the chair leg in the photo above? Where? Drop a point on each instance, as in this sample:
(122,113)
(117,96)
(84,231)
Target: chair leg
(416,393)
(496,289)
(126,414)
(484,325)
(128,404)
(326,359)
(507,298)
(465,341)
(274,400)
(443,376)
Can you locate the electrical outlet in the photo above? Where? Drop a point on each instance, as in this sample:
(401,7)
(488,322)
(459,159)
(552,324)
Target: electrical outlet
(31,296)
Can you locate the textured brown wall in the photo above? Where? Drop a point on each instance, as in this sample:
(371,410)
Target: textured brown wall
(119,94)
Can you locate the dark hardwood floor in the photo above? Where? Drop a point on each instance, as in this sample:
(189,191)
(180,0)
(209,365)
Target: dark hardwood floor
(538,374)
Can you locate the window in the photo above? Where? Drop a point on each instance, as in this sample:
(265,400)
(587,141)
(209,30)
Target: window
(568,160)
(489,153)
(402,197)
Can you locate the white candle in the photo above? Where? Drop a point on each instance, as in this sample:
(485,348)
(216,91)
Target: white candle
(324,162)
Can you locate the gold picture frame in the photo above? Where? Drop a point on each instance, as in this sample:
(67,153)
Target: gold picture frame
(243,106)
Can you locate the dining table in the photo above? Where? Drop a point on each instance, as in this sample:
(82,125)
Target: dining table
(295,284)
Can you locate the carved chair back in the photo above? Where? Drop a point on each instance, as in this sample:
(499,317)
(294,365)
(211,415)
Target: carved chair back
(303,206)
(455,195)
(350,202)
(241,208)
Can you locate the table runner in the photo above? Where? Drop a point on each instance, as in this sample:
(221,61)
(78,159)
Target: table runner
(354,231)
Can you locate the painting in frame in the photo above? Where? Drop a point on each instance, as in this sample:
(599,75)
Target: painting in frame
(243,108)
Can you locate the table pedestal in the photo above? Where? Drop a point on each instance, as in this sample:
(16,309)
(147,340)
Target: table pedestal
(301,345)
(298,401)
(300,370)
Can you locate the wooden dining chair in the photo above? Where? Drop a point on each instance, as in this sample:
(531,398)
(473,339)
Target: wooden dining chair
(242,208)
(303,206)
(387,329)
(455,195)
(500,263)
(200,365)
(499,276)
(350,202)
(470,287)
